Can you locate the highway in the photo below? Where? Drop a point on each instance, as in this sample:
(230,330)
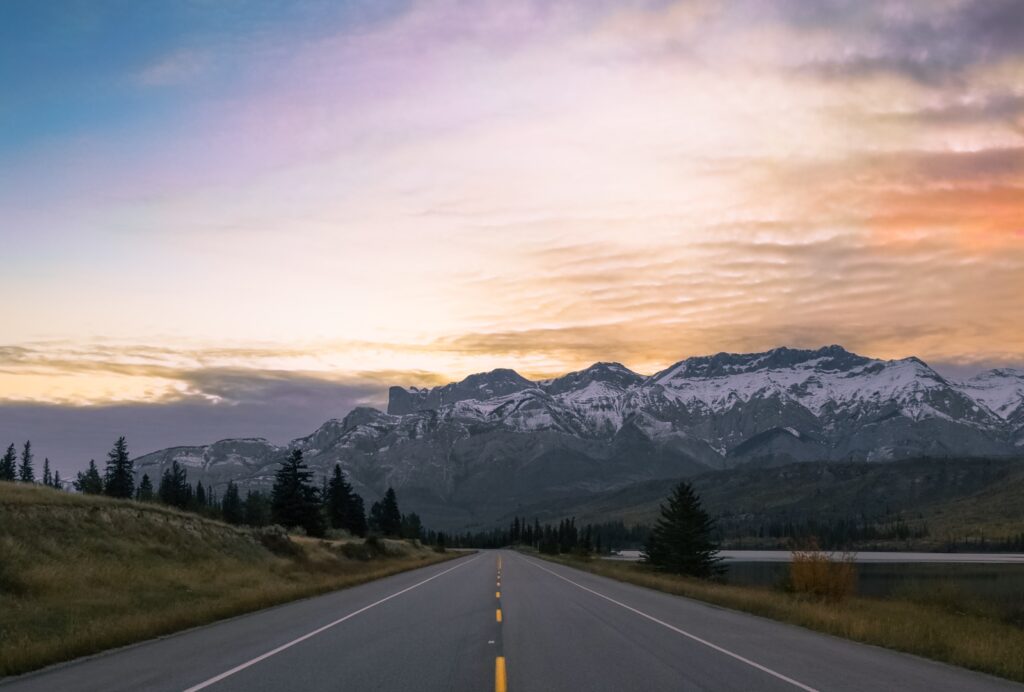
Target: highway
(498,620)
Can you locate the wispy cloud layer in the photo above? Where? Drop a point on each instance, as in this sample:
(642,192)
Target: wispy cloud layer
(411,192)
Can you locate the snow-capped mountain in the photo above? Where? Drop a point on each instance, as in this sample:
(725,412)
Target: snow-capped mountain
(476,449)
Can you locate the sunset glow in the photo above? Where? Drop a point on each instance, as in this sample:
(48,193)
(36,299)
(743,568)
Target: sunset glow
(410,193)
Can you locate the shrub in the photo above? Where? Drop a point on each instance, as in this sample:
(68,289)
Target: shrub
(821,574)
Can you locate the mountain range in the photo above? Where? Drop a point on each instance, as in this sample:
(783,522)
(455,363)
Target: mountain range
(468,453)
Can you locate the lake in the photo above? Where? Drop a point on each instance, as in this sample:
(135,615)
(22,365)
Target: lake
(990,584)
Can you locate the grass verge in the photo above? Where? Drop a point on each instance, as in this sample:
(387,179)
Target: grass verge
(970,641)
(80,574)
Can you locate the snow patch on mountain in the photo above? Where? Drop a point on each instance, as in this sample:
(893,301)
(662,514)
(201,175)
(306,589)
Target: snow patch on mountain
(1001,390)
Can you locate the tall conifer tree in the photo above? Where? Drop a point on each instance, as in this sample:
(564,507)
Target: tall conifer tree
(9,464)
(295,500)
(231,505)
(145,491)
(26,474)
(120,476)
(680,541)
(47,474)
(385,517)
(89,482)
(343,507)
(174,489)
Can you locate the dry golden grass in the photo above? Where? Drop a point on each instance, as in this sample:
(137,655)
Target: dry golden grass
(82,574)
(971,641)
(822,574)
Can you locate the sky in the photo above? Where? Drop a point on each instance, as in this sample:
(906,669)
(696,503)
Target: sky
(242,218)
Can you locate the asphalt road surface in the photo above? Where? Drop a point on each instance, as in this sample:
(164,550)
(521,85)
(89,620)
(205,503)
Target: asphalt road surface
(500,621)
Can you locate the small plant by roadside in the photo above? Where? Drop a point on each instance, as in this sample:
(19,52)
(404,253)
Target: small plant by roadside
(822,574)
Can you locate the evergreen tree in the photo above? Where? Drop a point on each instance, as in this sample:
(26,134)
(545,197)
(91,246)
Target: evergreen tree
(47,474)
(256,509)
(337,494)
(412,526)
(89,482)
(385,517)
(57,482)
(295,500)
(174,488)
(26,474)
(231,506)
(145,491)
(343,507)
(680,541)
(357,521)
(9,464)
(119,479)
(200,497)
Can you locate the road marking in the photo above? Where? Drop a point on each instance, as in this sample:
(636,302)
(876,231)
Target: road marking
(497,594)
(217,678)
(675,629)
(499,674)
(497,615)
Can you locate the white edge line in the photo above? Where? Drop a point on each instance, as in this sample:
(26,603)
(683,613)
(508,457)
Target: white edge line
(272,652)
(675,629)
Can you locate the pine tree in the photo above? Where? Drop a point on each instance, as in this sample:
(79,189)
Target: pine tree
(47,474)
(200,497)
(256,509)
(412,526)
(89,482)
(145,491)
(119,479)
(57,482)
(357,521)
(343,507)
(9,464)
(385,517)
(174,489)
(231,506)
(680,541)
(25,472)
(295,500)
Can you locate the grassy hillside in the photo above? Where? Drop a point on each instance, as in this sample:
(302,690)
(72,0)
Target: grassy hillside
(80,574)
(957,500)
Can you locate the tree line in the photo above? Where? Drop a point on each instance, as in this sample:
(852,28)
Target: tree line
(554,539)
(22,469)
(295,500)
(680,542)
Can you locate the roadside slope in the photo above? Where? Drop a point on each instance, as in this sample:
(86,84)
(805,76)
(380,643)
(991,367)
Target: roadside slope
(81,574)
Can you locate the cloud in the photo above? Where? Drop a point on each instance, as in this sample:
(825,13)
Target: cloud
(932,43)
(450,188)
(274,406)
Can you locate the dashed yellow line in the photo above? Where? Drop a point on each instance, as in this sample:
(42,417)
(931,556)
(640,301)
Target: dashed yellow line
(497,615)
(499,675)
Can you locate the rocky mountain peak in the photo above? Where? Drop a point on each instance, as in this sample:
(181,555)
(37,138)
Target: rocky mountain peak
(615,375)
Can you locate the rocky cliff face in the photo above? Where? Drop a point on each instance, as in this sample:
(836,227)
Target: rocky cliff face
(471,451)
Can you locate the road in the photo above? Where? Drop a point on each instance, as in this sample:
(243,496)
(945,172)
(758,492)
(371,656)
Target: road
(498,620)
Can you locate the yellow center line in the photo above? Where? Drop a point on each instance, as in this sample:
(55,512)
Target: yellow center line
(497,594)
(497,615)
(499,674)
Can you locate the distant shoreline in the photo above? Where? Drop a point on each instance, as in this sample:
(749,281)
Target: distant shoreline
(864,556)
